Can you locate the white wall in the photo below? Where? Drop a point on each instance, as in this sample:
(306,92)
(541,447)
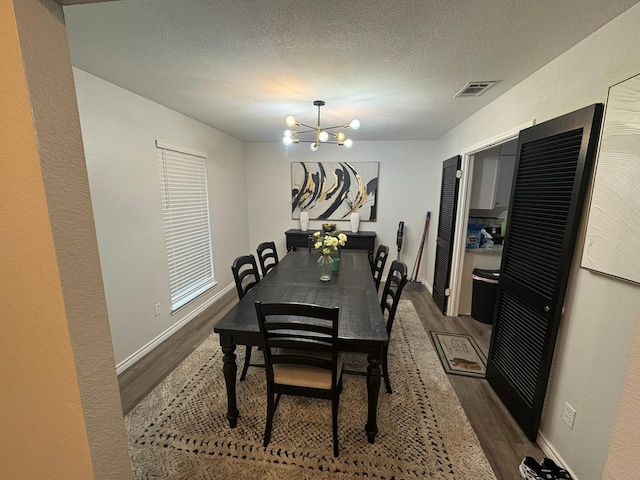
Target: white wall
(409,185)
(599,323)
(119,131)
(623,461)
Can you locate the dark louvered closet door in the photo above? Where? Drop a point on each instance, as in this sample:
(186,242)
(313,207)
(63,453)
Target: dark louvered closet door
(446,225)
(553,167)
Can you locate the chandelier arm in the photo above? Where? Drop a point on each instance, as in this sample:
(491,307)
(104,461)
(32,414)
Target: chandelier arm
(308,126)
(313,141)
(337,126)
(306,131)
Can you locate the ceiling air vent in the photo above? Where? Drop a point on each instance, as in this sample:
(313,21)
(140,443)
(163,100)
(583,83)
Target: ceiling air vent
(474,89)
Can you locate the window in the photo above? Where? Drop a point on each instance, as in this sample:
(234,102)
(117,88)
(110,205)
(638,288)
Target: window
(185,211)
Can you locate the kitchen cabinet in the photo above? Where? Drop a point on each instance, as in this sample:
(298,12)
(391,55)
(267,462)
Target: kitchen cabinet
(485,176)
(493,177)
(506,167)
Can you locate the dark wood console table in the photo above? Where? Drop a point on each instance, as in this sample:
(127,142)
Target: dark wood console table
(357,241)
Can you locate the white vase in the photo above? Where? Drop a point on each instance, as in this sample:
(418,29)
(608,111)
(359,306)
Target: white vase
(304,221)
(355,221)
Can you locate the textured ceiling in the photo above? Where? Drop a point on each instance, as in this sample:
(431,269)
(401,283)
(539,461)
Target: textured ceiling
(241,66)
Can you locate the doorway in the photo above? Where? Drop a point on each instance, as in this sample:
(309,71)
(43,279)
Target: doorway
(464,207)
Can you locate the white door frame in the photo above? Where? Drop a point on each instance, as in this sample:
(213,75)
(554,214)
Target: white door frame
(462,214)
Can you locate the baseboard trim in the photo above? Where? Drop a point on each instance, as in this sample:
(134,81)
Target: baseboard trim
(421,280)
(139,354)
(552,453)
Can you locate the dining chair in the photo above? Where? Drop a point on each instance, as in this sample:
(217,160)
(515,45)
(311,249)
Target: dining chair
(301,356)
(378,264)
(267,256)
(246,275)
(393,287)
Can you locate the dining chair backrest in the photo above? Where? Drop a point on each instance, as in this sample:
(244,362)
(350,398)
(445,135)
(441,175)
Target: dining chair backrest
(267,256)
(379,262)
(245,273)
(396,280)
(301,357)
(299,334)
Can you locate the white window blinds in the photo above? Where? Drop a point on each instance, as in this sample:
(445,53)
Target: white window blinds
(185,210)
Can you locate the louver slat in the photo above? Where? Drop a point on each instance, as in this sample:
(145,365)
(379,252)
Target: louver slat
(518,323)
(448,189)
(441,273)
(535,261)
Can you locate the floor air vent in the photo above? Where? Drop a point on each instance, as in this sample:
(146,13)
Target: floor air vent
(474,89)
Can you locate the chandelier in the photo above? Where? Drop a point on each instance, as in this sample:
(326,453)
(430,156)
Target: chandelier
(322,134)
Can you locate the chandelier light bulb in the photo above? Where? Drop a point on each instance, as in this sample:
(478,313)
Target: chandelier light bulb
(355,124)
(348,143)
(324,136)
(287,133)
(340,137)
(290,121)
(313,147)
(287,140)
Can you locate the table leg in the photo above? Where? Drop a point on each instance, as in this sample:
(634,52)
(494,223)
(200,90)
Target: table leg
(230,370)
(373,388)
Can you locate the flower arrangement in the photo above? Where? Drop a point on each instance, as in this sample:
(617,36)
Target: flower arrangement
(328,242)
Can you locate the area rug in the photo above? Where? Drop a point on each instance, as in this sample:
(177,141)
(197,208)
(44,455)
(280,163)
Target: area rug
(460,354)
(179,431)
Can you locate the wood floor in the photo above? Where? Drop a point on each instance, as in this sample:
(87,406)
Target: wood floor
(502,440)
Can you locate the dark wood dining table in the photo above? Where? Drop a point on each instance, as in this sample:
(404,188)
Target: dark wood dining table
(296,278)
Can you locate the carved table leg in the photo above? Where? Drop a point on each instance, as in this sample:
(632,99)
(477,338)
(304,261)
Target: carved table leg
(230,369)
(373,388)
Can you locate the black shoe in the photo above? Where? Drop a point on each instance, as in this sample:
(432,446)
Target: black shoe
(530,470)
(559,472)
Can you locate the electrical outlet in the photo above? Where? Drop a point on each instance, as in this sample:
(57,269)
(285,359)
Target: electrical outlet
(156,309)
(568,415)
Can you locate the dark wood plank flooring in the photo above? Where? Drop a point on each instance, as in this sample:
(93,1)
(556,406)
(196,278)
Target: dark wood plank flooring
(502,440)
(137,381)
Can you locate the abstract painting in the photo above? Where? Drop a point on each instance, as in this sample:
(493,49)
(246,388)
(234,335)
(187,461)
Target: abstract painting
(332,191)
(612,241)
